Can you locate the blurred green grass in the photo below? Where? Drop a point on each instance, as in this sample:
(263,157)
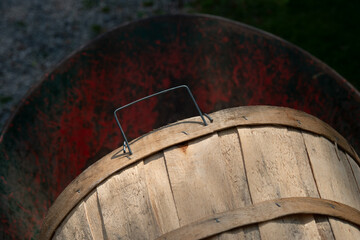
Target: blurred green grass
(327,29)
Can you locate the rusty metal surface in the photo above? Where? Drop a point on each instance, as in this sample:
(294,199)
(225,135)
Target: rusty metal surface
(67,122)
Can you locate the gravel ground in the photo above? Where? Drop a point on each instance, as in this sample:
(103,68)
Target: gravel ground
(37,34)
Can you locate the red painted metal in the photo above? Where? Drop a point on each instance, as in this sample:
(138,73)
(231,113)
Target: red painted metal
(67,123)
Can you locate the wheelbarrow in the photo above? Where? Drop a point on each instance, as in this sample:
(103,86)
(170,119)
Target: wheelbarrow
(66,123)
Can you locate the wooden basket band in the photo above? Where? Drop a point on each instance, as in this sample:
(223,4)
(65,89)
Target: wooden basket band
(262,212)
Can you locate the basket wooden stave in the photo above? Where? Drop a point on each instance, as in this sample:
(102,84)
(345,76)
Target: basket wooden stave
(183,176)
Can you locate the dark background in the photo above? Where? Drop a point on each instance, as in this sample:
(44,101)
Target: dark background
(328,29)
(36,35)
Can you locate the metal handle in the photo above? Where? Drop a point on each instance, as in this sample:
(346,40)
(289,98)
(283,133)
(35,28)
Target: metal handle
(126,143)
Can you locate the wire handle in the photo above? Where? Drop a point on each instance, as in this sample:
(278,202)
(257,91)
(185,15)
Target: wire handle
(126,143)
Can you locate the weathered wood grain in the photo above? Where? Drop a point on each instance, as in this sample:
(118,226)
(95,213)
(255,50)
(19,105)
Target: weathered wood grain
(160,193)
(276,165)
(125,206)
(355,169)
(232,155)
(94,216)
(198,179)
(334,179)
(75,226)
